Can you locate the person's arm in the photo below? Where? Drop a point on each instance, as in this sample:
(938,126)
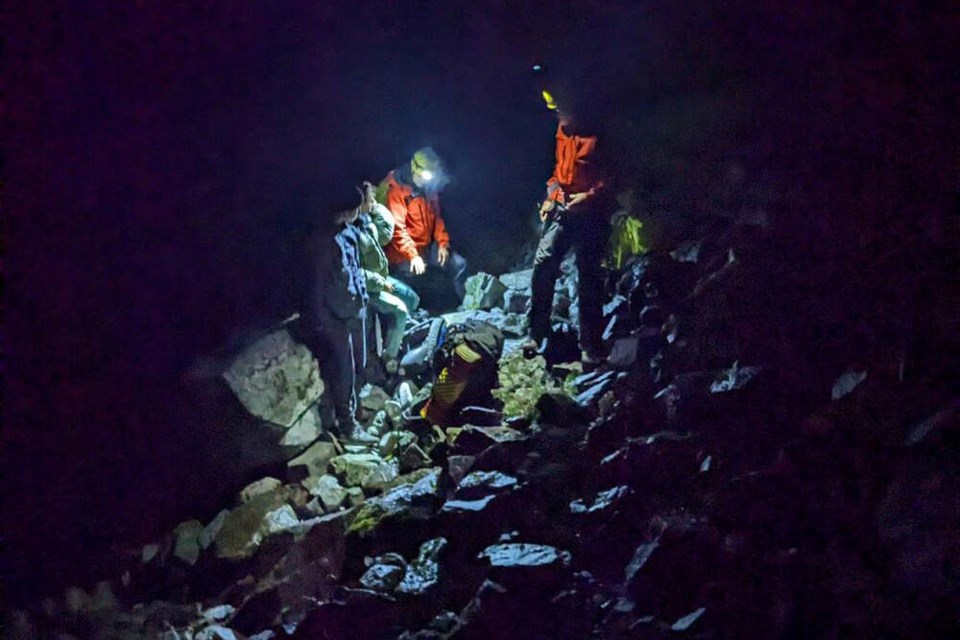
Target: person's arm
(440,235)
(375,282)
(401,237)
(384,223)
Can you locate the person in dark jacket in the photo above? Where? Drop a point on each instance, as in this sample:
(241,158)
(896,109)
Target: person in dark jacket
(575,216)
(337,307)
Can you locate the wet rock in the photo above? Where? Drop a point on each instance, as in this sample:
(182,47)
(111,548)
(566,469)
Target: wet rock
(187,541)
(482,483)
(276,379)
(312,462)
(603,501)
(472,440)
(524,554)
(260,487)
(414,499)
(423,573)
(367,470)
(847,383)
(393,441)
(483,291)
(385,572)
(734,378)
(327,489)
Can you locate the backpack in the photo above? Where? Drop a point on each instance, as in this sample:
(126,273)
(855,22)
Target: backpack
(466,371)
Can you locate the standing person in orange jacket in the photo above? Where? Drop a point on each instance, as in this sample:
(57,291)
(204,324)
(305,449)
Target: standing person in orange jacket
(420,237)
(575,214)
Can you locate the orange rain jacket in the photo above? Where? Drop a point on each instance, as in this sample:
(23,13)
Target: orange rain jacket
(418,221)
(574,172)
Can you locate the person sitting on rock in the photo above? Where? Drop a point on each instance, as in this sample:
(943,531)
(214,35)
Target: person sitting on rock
(420,237)
(391,298)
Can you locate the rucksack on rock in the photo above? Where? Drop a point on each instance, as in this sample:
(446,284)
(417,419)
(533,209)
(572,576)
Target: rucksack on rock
(466,365)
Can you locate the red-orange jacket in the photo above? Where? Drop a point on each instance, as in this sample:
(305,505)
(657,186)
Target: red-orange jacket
(574,172)
(418,221)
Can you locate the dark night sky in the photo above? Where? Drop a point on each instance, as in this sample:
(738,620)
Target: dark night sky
(162,157)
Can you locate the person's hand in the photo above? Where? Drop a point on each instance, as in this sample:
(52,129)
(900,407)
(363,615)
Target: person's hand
(576,199)
(546,208)
(442,254)
(417,266)
(369,197)
(388,286)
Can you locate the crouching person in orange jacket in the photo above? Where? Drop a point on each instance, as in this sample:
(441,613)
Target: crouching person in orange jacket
(420,237)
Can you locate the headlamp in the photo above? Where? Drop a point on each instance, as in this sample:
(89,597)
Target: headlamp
(549,100)
(426,174)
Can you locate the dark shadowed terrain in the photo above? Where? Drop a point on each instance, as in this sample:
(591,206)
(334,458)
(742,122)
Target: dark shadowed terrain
(163,159)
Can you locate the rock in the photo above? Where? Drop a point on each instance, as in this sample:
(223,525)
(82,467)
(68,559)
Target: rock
(467,506)
(603,501)
(372,398)
(218,613)
(260,487)
(416,498)
(423,573)
(327,489)
(367,470)
(516,301)
(281,519)
(734,378)
(523,554)
(103,597)
(312,462)
(305,430)
(413,458)
(847,383)
(245,527)
(483,291)
(384,573)
(458,466)
(209,533)
(472,440)
(482,483)
(557,408)
(518,280)
(688,620)
(392,441)
(276,379)
(355,496)
(186,544)
(217,632)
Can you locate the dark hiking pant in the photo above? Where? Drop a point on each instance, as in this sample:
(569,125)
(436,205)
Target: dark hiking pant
(455,269)
(342,351)
(586,234)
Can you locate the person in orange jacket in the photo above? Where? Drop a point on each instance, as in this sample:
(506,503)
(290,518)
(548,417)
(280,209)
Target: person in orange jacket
(575,214)
(420,237)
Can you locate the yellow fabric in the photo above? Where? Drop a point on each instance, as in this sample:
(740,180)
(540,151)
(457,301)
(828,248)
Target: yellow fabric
(626,239)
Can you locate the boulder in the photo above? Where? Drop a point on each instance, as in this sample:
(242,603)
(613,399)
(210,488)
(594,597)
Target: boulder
(276,379)
(423,573)
(483,291)
(327,489)
(312,462)
(518,280)
(246,526)
(186,544)
(367,470)
(258,488)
